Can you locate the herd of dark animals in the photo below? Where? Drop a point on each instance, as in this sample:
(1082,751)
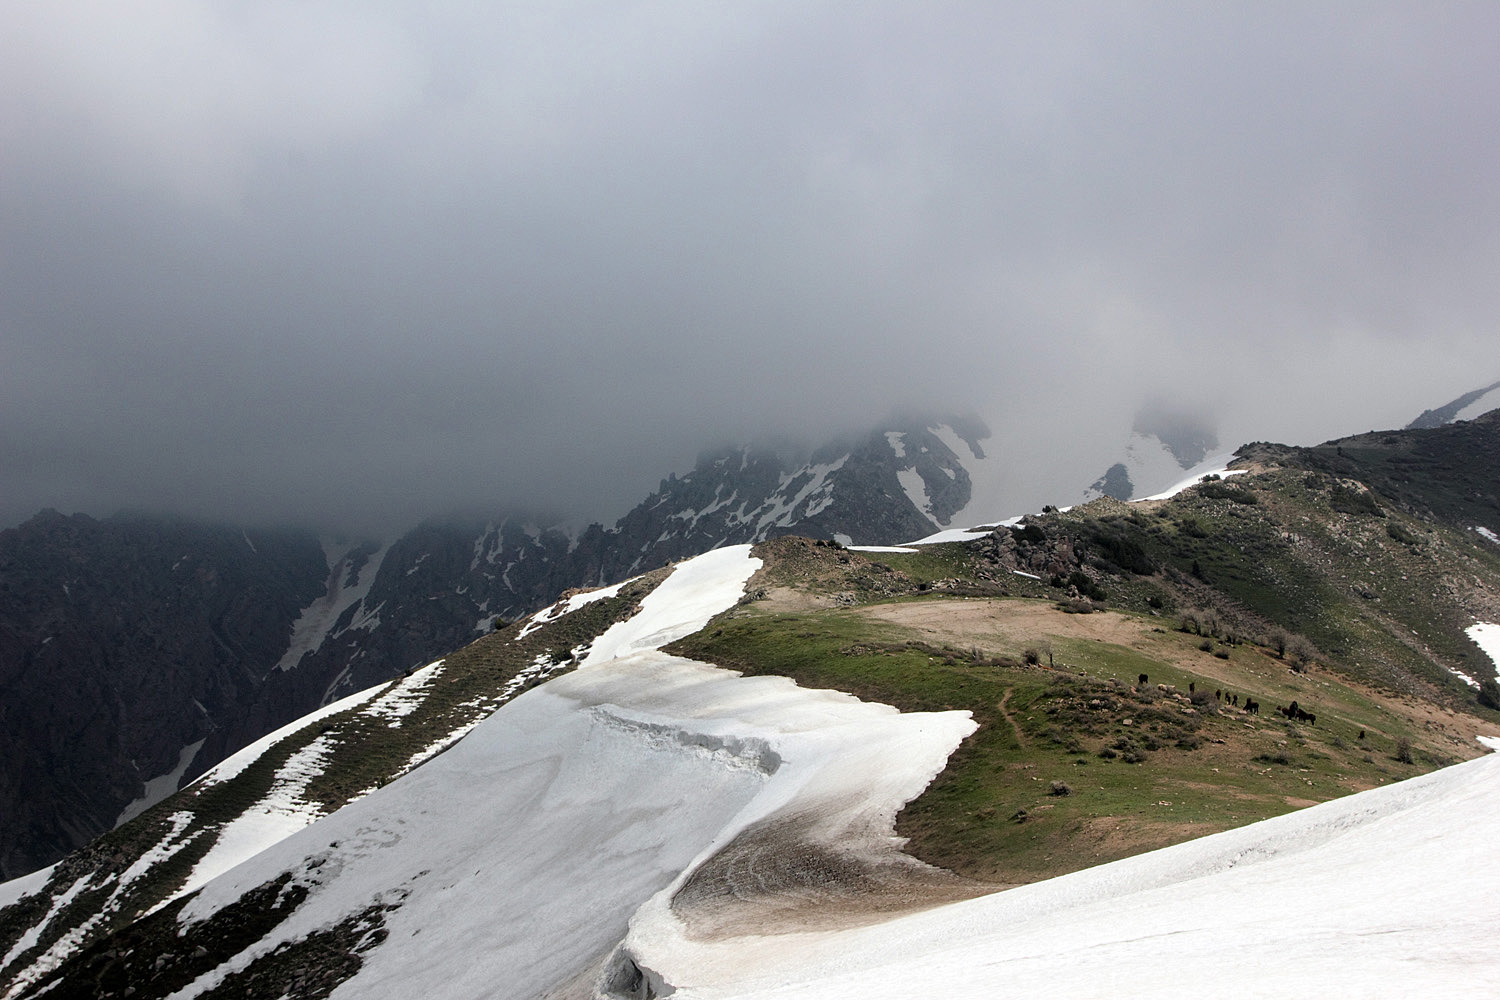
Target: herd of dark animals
(1251,706)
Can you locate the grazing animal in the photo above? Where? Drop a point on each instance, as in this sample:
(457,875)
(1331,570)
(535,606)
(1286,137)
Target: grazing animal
(1218,695)
(1361,734)
(1298,714)
(1192,688)
(1235,701)
(1252,706)
(1142,680)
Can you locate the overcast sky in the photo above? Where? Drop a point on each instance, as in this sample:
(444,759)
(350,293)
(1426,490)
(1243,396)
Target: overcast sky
(356,262)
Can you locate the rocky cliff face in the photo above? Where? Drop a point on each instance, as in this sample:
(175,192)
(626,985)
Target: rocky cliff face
(126,640)
(123,641)
(444,583)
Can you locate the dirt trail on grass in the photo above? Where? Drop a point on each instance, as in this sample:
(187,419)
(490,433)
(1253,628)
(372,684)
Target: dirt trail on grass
(1004,698)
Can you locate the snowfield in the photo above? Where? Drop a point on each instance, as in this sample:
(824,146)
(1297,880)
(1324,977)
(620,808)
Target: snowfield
(525,850)
(1486,636)
(1388,893)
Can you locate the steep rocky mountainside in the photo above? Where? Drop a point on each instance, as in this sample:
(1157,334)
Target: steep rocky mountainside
(121,642)
(129,644)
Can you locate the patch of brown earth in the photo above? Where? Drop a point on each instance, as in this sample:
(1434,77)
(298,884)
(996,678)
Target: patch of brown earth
(1001,624)
(781,876)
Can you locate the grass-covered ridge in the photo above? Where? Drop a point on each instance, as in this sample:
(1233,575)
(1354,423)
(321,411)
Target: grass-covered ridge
(1075,761)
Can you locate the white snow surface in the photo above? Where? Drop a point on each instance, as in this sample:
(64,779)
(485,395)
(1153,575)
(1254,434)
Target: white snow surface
(316,621)
(162,785)
(526,848)
(816,494)
(1487,533)
(1215,466)
(282,812)
(406,696)
(566,606)
(25,885)
(1486,636)
(244,757)
(683,603)
(1480,406)
(1384,894)
(986,476)
(915,488)
(967,534)
(1150,464)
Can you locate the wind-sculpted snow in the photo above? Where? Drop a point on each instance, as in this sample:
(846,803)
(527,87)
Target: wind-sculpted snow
(1388,893)
(289,779)
(557,817)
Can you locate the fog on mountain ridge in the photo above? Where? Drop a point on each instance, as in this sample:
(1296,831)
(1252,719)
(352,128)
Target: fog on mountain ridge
(354,267)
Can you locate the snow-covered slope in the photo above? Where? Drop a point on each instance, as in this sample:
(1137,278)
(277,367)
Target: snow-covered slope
(559,816)
(1388,893)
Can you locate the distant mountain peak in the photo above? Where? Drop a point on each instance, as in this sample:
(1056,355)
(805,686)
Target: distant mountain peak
(1187,433)
(1466,407)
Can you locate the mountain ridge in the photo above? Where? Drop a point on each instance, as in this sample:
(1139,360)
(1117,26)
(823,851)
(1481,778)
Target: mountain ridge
(337,617)
(1037,629)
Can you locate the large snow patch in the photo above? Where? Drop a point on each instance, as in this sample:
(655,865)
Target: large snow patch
(524,850)
(1388,893)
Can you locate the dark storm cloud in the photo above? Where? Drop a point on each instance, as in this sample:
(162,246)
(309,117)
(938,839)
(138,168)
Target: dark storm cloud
(357,262)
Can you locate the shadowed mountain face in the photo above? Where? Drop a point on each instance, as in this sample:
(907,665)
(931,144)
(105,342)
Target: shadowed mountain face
(121,642)
(125,641)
